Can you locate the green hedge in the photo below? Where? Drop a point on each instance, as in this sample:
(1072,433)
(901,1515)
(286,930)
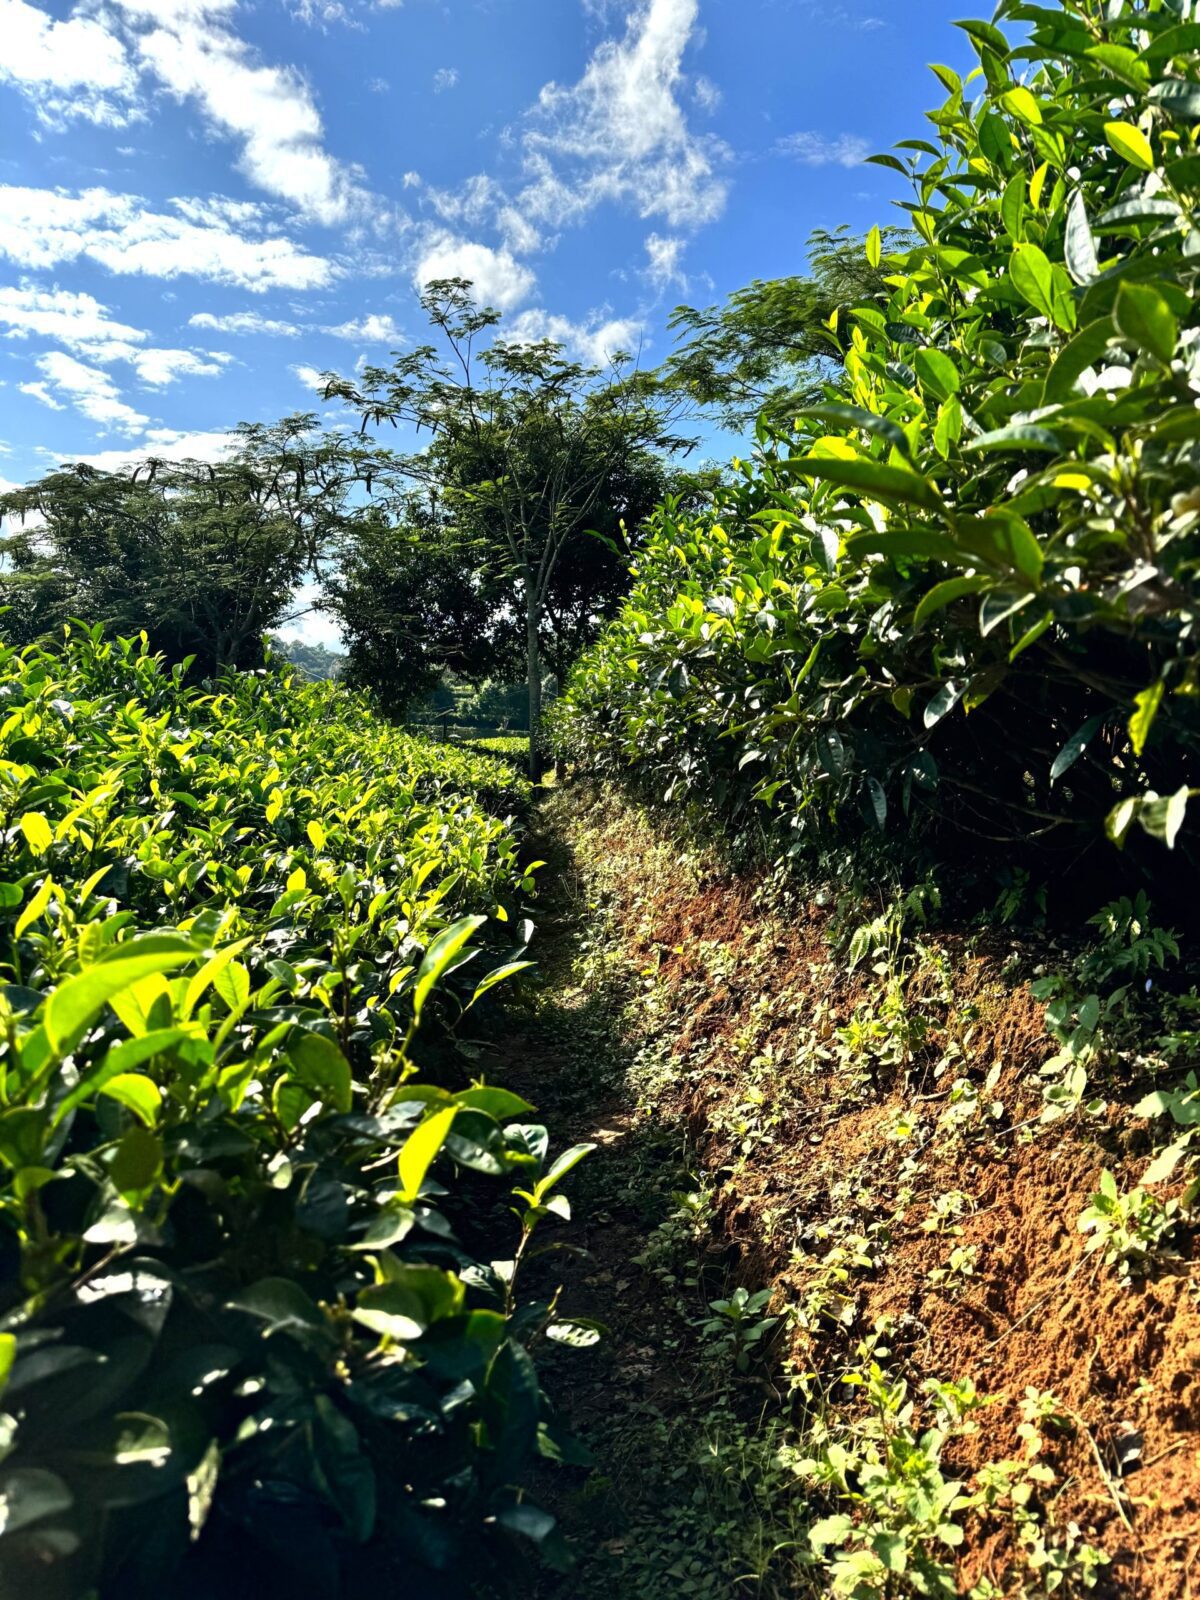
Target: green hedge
(964,587)
(243,1348)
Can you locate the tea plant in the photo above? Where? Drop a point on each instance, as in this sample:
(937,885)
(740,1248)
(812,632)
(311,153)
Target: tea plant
(923,609)
(236,1142)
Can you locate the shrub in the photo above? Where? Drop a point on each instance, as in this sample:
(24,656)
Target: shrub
(243,1347)
(964,588)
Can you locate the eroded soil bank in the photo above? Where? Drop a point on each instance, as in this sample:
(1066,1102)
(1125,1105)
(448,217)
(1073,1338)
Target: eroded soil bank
(855,1342)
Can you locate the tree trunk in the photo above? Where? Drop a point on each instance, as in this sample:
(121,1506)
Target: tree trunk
(534,675)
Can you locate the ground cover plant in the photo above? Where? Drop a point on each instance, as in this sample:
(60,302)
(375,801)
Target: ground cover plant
(243,1344)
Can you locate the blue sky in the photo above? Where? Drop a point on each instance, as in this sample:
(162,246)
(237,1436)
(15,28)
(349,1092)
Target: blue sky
(203,203)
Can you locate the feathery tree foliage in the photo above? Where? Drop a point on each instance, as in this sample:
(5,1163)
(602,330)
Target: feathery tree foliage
(528,452)
(204,558)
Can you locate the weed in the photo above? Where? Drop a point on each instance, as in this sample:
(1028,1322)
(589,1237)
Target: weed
(1130,1230)
(735,1326)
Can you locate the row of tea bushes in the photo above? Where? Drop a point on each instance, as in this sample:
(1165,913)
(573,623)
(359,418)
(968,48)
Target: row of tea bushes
(964,588)
(244,1348)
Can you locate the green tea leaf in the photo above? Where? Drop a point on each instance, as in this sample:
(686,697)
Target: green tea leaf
(319,1065)
(1080,245)
(35,908)
(1020,103)
(1143,316)
(76,1004)
(937,372)
(943,701)
(1045,286)
(1075,747)
(559,1169)
(438,957)
(1146,705)
(137,1093)
(945,594)
(1131,144)
(39,835)
(870,478)
(420,1150)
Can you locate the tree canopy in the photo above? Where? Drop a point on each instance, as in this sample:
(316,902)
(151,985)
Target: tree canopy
(527,453)
(202,557)
(770,347)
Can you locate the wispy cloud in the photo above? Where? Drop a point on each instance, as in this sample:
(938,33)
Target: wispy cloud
(621,133)
(663,258)
(269,109)
(373,328)
(444,78)
(499,278)
(245,322)
(596,340)
(163,444)
(78,321)
(40,228)
(89,390)
(820,150)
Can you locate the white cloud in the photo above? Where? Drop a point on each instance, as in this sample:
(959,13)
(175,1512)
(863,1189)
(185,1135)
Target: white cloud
(594,341)
(77,320)
(84,326)
(269,109)
(480,201)
(90,390)
(163,444)
(444,78)
(706,94)
(473,202)
(240,322)
(319,13)
(373,329)
(39,391)
(157,368)
(663,256)
(816,150)
(73,68)
(309,625)
(499,279)
(517,232)
(309,376)
(620,133)
(176,13)
(42,227)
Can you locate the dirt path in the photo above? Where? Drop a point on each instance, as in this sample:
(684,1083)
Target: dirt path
(649,1402)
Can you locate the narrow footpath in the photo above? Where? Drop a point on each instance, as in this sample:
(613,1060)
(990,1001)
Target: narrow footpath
(654,1397)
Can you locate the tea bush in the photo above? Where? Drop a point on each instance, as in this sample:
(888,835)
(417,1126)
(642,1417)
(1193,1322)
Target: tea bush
(513,747)
(963,590)
(243,1348)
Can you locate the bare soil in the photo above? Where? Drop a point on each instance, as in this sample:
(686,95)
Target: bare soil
(1122,1360)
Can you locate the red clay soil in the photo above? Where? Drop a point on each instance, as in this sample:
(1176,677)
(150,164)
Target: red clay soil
(1123,1361)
